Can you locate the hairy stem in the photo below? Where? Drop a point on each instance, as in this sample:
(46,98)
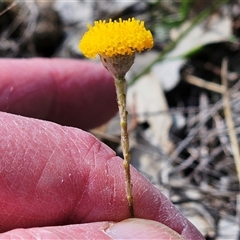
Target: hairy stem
(120,84)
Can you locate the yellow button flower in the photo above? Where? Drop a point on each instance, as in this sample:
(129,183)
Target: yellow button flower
(116,43)
(123,37)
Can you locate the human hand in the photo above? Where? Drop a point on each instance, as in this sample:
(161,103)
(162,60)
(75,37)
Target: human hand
(62,180)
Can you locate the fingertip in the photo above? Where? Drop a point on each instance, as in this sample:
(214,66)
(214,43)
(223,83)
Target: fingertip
(70,92)
(136,228)
(72,177)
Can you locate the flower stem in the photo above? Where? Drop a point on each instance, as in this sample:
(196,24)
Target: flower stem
(120,84)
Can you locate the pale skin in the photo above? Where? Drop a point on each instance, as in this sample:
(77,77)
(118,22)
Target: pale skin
(61,180)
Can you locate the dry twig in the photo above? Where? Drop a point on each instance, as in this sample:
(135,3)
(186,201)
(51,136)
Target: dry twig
(229,120)
(199,82)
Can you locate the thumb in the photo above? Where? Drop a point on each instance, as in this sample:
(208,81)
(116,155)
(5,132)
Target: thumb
(134,228)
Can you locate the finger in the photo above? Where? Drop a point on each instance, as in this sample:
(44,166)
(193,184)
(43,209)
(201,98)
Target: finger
(69,92)
(127,229)
(53,175)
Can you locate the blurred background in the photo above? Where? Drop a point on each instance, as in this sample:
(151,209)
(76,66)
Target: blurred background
(183,96)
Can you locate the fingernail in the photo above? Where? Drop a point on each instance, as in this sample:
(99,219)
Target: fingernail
(136,228)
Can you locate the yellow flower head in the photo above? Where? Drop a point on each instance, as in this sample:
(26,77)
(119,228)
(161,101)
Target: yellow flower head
(123,37)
